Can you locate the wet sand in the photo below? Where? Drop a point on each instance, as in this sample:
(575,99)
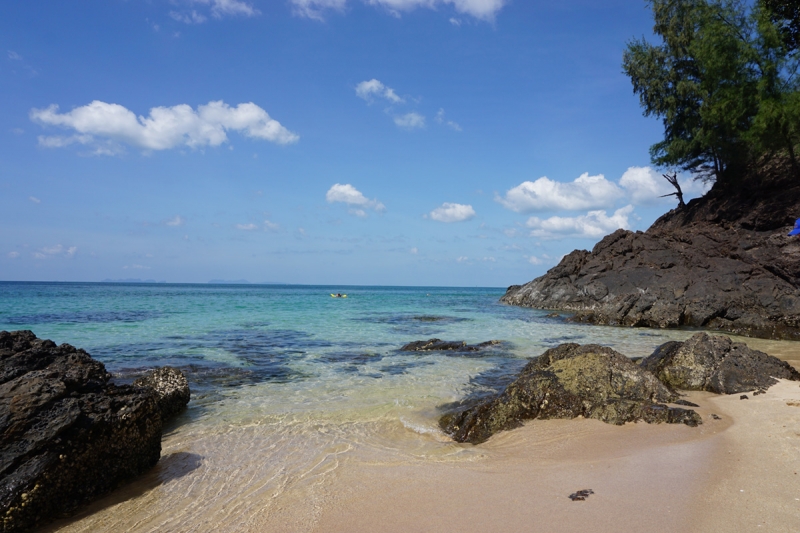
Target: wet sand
(737,473)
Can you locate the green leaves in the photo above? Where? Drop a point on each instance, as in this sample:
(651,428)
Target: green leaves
(723,83)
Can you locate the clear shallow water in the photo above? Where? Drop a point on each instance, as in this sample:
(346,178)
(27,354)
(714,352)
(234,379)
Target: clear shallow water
(288,382)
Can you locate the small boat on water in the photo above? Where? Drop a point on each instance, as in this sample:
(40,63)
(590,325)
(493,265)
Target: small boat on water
(338,296)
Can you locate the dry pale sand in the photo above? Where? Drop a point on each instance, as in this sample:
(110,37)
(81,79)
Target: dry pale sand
(735,474)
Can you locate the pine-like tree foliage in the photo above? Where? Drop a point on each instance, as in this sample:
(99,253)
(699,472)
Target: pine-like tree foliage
(724,83)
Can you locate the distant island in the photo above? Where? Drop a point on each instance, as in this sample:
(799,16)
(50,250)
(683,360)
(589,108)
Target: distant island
(131,280)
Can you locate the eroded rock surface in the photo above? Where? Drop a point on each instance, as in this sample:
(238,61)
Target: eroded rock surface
(723,262)
(171,388)
(569,381)
(715,363)
(66,434)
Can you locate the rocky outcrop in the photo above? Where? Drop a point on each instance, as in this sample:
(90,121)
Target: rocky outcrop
(566,382)
(716,364)
(722,262)
(438,345)
(171,388)
(66,434)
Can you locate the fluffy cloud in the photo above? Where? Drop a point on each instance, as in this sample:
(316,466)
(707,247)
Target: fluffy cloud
(646,186)
(347,194)
(586,192)
(452,212)
(164,128)
(217,8)
(638,186)
(374,88)
(55,251)
(593,225)
(480,9)
(410,121)
(177,221)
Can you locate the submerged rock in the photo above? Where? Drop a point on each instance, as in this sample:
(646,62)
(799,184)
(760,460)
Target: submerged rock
(171,388)
(439,345)
(715,363)
(66,434)
(721,262)
(570,381)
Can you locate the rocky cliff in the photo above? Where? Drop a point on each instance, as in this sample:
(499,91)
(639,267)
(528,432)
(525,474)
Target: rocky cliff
(721,262)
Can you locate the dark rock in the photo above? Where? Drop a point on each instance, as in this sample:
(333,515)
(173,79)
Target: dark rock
(581,495)
(439,345)
(743,397)
(687,403)
(171,388)
(715,363)
(722,262)
(569,381)
(66,434)
(716,417)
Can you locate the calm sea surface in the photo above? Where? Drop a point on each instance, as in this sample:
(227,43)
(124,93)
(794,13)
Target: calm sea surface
(287,381)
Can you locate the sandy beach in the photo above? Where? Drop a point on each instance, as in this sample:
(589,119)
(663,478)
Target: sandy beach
(732,474)
(735,474)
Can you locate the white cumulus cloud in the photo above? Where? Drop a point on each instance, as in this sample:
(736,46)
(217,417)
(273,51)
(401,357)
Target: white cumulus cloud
(368,90)
(164,128)
(586,192)
(410,121)
(449,212)
(646,186)
(347,194)
(594,224)
(480,9)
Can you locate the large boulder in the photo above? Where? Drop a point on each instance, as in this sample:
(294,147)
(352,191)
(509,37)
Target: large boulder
(66,434)
(722,262)
(171,388)
(715,363)
(566,382)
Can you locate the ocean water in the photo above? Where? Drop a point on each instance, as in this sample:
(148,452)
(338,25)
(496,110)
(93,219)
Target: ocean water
(289,383)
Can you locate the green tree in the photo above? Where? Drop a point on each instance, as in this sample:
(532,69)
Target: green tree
(785,14)
(723,83)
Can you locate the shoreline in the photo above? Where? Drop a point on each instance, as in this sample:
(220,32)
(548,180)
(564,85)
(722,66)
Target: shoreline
(645,478)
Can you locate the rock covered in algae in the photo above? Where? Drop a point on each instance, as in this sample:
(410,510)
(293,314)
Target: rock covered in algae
(715,363)
(171,388)
(67,435)
(568,381)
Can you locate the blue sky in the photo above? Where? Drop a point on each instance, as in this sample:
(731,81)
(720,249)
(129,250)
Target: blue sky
(389,142)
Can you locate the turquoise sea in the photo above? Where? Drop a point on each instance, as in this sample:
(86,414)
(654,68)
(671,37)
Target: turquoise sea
(288,383)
